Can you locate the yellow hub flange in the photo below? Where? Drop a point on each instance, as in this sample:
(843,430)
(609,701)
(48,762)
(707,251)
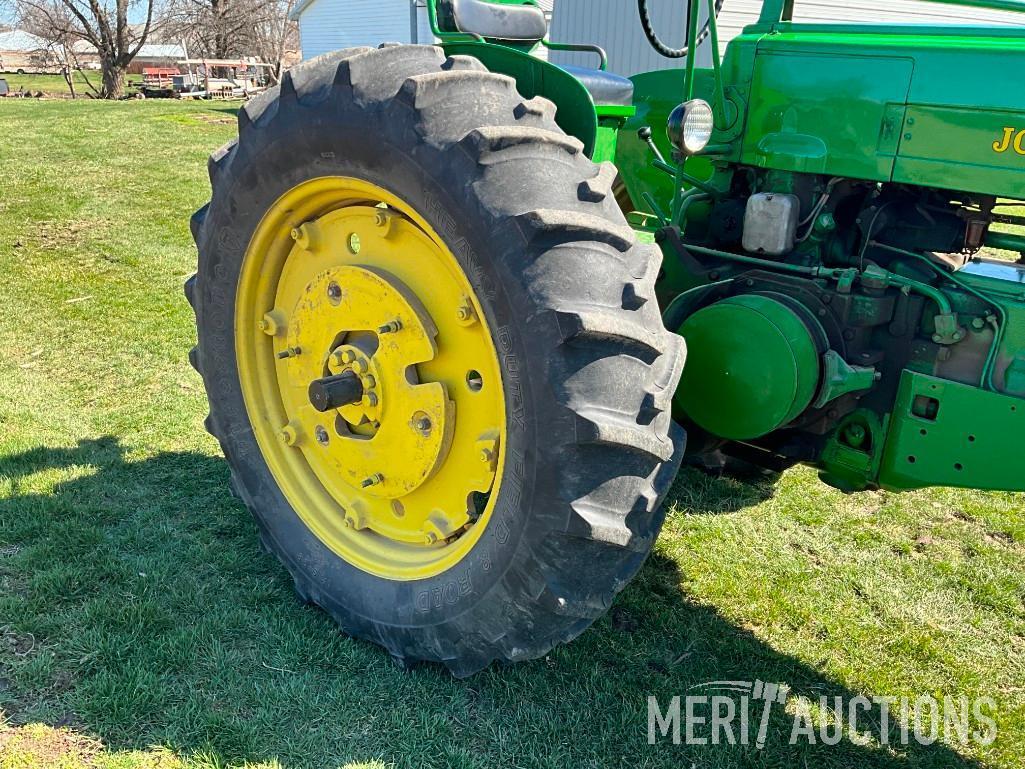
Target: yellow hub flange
(342,276)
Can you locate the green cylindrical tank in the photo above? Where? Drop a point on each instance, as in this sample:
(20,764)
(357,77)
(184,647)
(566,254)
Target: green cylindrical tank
(753,365)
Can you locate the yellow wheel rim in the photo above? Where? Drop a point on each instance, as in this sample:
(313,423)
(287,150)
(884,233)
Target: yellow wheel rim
(344,278)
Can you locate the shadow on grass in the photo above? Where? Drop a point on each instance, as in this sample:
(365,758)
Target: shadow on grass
(138,608)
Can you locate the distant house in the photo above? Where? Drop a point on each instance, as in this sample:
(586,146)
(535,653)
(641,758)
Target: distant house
(329,25)
(21,51)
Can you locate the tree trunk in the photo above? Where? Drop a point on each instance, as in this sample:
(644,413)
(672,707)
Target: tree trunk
(113,86)
(69,78)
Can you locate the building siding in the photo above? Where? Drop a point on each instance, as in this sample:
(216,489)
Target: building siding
(615,24)
(329,25)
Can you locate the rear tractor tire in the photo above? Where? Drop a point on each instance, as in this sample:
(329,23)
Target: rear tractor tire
(433,356)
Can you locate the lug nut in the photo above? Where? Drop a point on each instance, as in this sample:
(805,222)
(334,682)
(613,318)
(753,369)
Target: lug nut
(486,455)
(431,538)
(334,292)
(422,425)
(341,357)
(373,480)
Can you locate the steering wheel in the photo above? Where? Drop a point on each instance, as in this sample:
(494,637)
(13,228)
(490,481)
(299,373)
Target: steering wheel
(662,48)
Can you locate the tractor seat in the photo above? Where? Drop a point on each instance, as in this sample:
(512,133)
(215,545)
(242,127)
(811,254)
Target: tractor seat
(520,23)
(526,23)
(604,87)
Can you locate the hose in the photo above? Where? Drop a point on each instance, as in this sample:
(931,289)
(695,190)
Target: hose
(662,48)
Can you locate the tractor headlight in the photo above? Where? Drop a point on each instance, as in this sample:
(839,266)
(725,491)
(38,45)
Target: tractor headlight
(690,126)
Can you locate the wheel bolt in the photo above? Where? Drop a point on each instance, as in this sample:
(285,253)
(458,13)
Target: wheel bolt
(334,292)
(422,425)
(272,323)
(373,480)
(390,327)
(289,435)
(431,538)
(322,436)
(291,352)
(486,455)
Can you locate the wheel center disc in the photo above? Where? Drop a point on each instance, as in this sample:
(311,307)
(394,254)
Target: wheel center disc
(375,328)
(371,378)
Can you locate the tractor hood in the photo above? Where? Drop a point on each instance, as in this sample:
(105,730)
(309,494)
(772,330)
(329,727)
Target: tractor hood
(927,106)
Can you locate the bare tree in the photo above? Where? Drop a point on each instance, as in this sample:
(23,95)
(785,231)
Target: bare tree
(276,35)
(53,22)
(101,23)
(225,29)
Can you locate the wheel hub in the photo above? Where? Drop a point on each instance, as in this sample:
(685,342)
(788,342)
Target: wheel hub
(383,334)
(379,380)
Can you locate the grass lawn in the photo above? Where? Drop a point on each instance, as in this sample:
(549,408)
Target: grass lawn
(1016,229)
(142,626)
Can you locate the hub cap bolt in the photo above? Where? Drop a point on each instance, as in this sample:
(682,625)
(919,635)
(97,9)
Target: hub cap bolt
(390,327)
(373,480)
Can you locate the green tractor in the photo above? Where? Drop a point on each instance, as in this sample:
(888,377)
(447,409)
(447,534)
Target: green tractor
(445,295)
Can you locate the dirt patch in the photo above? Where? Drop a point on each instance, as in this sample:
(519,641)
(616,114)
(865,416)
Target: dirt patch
(56,235)
(19,644)
(216,119)
(1000,537)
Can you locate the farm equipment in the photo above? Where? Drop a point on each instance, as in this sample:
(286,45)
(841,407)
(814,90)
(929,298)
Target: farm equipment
(443,294)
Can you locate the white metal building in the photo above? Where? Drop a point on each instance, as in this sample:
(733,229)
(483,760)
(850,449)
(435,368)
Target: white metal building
(327,25)
(615,24)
